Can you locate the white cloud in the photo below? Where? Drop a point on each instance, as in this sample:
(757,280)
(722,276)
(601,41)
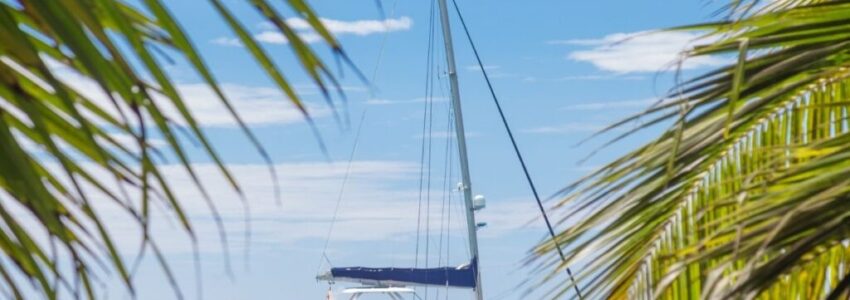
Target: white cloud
(372,205)
(358,27)
(640,51)
(255,104)
(125,138)
(274,37)
(379,204)
(337,27)
(131,143)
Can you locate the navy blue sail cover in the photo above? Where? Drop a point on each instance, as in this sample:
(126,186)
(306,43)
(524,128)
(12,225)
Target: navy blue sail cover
(462,277)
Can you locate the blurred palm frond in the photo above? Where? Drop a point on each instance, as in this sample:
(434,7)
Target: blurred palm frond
(59,144)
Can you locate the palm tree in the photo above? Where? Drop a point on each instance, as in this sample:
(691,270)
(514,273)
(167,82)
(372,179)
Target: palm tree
(747,193)
(55,140)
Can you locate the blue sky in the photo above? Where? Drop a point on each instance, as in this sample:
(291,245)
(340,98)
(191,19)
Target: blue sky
(561,69)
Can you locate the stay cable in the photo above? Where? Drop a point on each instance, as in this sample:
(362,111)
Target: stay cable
(516,149)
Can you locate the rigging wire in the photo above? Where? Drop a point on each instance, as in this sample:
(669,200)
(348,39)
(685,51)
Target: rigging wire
(443,227)
(430,102)
(451,178)
(378,61)
(428,63)
(341,192)
(428,187)
(384,39)
(516,149)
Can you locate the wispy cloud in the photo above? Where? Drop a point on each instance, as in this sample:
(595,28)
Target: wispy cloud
(476,68)
(227,41)
(127,141)
(640,51)
(493,71)
(608,105)
(585,78)
(313,89)
(271,35)
(446,134)
(565,128)
(599,77)
(378,101)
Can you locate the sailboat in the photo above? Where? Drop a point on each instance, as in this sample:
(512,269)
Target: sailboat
(395,282)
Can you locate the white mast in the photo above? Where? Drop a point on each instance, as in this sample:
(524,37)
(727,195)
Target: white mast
(461,145)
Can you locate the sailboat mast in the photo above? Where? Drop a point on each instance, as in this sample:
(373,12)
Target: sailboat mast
(461,145)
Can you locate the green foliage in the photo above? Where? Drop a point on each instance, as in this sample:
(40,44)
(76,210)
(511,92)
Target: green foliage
(747,194)
(43,120)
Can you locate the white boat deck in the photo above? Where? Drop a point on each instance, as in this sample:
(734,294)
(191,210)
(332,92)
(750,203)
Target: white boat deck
(395,293)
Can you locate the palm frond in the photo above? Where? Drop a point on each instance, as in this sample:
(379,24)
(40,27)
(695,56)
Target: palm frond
(46,125)
(746,195)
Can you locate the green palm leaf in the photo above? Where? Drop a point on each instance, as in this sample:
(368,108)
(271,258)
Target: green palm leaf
(46,122)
